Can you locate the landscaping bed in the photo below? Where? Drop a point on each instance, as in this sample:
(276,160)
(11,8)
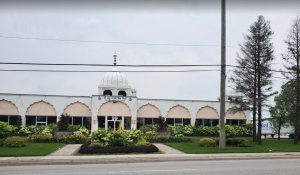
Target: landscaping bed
(88,149)
(268,145)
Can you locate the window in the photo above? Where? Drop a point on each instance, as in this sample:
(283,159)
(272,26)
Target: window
(82,121)
(127,123)
(11,120)
(178,121)
(101,122)
(40,120)
(107,92)
(122,93)
(235,122)
(4,119)
(207,122)
(141,121)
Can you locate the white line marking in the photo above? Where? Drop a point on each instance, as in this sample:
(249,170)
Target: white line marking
(141,171)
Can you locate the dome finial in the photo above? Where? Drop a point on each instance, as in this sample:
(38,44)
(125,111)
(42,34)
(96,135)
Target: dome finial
(115,58)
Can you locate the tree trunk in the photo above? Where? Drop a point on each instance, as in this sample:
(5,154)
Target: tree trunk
(297,96)
(258,99)
(254,104)
(278,133)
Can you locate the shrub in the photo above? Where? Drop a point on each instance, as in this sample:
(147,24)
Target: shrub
(40,138)
(14,141)
(100,136)
(179,131)
(72,139)
(142,143)
(96,149)
(149,131)
(82,131)
(73,128)
(239,142)
(160,139)
(52,127)
(32,129)
(207,142)
(1,142)
(6,129)
(206,131)
(63,123)
(134,136)
(117,138)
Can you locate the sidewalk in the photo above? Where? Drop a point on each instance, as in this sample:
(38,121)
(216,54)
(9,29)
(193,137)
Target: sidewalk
(67,150)
(131,158)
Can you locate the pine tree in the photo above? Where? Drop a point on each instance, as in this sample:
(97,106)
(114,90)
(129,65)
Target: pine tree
(292,58)
(252,76)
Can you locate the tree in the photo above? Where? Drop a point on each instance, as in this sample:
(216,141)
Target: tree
(63,123)
(292,58)
(252,75)
(279,114)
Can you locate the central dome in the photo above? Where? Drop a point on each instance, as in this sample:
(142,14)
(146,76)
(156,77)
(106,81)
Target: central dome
(114,79)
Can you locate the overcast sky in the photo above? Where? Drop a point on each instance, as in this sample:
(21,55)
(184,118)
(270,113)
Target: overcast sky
(192,22)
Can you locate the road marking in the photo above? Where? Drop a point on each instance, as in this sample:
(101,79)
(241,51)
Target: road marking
(145,171)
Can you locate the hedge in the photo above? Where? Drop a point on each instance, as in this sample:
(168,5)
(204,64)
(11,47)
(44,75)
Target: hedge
(88,149)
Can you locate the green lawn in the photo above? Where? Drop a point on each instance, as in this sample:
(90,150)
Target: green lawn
(267,146)
(31,149)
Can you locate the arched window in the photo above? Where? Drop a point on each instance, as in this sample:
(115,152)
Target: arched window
(107,92)
(123,93)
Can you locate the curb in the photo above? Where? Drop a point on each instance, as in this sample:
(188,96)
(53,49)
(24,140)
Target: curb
(111,159)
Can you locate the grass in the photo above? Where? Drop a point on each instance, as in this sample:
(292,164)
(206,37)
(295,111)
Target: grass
(268,145)
(31,149)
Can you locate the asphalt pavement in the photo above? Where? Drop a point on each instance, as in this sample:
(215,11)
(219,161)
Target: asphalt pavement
(216,167)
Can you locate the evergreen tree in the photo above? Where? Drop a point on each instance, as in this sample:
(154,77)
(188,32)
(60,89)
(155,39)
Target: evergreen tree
(292,58)
(279,113)
(252,76)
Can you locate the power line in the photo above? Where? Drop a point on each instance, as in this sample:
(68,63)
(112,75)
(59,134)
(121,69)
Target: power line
(91,71)
(110,42)
(131,65)
(110,65)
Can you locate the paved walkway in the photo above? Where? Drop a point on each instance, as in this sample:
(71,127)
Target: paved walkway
(67,150)
(166,149)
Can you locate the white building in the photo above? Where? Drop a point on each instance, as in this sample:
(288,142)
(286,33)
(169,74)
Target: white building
(116,104)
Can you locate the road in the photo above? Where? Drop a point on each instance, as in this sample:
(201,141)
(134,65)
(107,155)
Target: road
(217,167)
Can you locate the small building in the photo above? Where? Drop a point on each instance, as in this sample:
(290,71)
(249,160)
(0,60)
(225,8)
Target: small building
(116,105)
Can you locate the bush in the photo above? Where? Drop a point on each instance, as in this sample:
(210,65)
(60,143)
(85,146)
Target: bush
(1,142)
(14,141)
(32,129)
(207,142)
(142,143)
(63,123)
(239,142)
(206,131)
(40,138)
(52,127)
(73,128)
(134,136)
(149,131)
(100,136)
(6,129)
(72,139)
(98,149)
(117,138)
(160,139)
(82,131)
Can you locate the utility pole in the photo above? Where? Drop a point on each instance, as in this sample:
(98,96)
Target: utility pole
(222,142)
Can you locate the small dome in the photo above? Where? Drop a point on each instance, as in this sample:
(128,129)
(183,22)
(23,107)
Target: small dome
(114,79)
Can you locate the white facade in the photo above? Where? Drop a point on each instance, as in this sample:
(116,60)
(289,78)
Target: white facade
(116,98)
